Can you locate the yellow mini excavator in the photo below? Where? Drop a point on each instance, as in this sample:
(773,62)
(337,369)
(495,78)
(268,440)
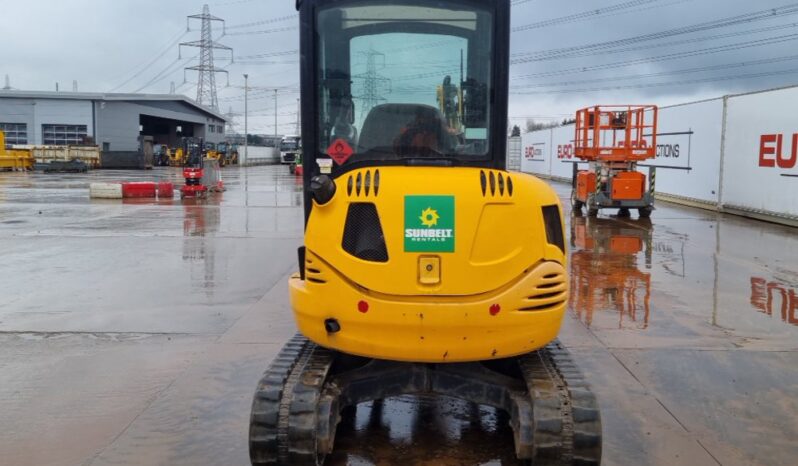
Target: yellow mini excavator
(426,268)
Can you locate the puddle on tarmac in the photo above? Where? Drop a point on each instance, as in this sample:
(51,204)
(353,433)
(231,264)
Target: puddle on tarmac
(775,299)
(419,430)
(610,269)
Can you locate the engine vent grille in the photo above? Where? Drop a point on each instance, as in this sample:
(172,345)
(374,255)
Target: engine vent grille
(550,293)
(315,270)
(363,183)
(495,183)
(363,236)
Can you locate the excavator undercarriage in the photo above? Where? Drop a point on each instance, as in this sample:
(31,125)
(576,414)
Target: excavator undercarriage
(297,405)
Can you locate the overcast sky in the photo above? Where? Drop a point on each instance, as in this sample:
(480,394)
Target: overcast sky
(131,45)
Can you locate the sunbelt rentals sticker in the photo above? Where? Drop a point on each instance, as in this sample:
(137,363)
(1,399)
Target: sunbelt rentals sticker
(429,223)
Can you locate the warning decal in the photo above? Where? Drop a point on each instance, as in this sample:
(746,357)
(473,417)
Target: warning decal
(340,151)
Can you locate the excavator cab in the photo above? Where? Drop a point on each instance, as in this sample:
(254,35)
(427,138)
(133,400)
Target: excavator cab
(426,267)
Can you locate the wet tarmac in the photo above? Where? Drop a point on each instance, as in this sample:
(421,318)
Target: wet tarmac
(134,332)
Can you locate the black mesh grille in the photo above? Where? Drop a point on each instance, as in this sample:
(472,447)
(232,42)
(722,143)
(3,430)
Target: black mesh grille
(551,217)
(363,236)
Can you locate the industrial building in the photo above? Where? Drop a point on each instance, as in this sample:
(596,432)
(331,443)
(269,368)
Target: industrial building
(115,122)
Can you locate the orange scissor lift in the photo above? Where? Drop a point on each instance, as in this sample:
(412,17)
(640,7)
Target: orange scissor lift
(614,139)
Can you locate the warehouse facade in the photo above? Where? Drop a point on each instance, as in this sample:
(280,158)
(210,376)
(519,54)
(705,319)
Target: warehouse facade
(117,123)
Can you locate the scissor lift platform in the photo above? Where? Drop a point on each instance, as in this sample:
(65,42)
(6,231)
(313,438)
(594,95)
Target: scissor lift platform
(614,139)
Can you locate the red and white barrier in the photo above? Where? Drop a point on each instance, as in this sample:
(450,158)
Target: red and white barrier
(139,189)
(105,190)
(166,190)
(130,190)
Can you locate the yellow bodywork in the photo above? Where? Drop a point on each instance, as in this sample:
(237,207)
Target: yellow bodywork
(502,291)
(216,155)
(14,159)
(177,157)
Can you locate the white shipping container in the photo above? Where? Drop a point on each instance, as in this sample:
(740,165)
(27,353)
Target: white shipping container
(535,154)
(514,153)
(737,152)
(761,153)
(689,139)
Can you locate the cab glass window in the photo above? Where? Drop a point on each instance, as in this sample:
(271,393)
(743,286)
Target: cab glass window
(404,81)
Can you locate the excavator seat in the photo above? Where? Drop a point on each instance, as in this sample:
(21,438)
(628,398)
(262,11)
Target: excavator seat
(385,123)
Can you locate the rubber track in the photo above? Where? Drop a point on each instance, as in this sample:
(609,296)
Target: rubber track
(567,419)
(302,411)
(269,403)
(283,424)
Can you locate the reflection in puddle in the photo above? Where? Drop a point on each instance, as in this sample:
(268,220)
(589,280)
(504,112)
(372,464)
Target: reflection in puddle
(200,220)
(420,430)
(774,298)
(605,274)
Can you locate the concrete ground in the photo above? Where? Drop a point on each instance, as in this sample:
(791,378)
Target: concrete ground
(135,332)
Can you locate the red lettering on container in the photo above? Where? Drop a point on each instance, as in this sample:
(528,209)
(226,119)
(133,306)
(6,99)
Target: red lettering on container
(765,149)
(565,151)
(789,163)
(772,154)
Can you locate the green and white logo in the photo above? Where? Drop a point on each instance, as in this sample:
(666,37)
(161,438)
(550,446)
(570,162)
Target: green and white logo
(429,223)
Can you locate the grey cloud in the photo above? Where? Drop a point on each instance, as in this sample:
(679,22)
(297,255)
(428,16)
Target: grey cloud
(102,43)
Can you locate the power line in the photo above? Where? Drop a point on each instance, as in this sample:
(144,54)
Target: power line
(699,27)
(267,63)
(233,2)
(264,31)
(152,62)
(590,14)
(739,19)
(186,83)
(627,77)
(541,117)
(674,43)
(270,110)
(294,85)
(662,84)
(671,56)
(261,95)
(581,50)
(267,55)
(164,73)
(272,114)
(265,21)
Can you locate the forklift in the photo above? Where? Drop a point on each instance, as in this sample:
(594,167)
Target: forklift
(426,267)
(228,152)
(213,152)
(614,139)
(193,171)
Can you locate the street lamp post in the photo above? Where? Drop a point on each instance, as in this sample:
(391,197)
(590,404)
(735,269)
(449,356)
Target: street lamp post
(246,118)
(298,116)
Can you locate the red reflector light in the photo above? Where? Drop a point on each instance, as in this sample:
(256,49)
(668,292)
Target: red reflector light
(363,306)
(494,309)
